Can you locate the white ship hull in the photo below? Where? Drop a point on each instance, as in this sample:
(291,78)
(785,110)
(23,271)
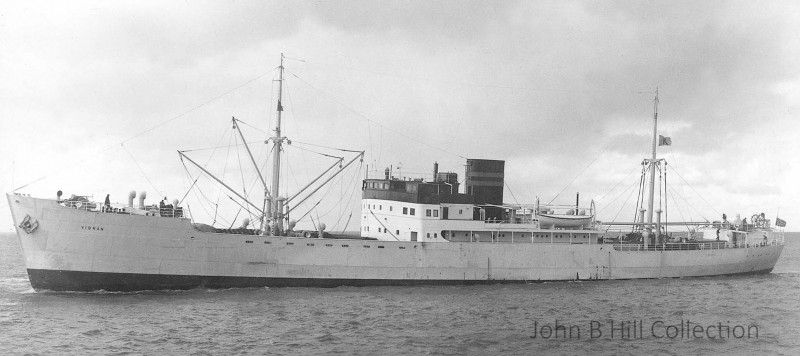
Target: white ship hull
(77,250)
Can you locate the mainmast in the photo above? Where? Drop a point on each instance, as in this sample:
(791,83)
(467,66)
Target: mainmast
(277,142)
(653,163)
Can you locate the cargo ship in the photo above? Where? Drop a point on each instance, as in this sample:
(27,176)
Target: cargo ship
(413,232)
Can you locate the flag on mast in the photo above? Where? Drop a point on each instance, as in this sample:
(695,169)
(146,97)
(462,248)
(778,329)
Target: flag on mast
(664,141)
(780,222)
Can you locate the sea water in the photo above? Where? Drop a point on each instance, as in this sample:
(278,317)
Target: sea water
(711,315)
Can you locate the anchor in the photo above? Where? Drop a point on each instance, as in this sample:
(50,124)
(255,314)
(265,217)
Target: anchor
(28,224)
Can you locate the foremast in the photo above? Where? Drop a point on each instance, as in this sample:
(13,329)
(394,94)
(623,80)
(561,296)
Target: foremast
(274,211)
(274,206)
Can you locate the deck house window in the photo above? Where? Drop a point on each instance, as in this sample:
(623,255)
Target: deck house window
(405,211)
(412,211)
(436,213)
(427,212)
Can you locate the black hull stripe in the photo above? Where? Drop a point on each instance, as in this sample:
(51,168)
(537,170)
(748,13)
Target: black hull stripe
(75,281)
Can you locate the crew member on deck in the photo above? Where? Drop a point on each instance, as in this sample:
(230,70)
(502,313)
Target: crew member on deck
(107,204)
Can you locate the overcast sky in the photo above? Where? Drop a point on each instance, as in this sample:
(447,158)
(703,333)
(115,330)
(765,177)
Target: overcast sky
(97,97)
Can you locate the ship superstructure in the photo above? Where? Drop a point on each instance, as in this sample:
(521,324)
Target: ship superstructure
(435,210)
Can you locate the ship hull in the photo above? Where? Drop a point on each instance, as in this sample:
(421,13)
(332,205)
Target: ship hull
(80,281)
(75,250)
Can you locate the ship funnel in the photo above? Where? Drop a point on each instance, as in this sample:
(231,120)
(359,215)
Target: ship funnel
(245,222)
(141,200)
(131,196)
(435,170)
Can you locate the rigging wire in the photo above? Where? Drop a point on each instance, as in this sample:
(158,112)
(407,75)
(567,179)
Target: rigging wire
(578,175)
(110,147)
(695,191)
(234,217)
(352,185)
(617,184)
(140,169)
(180,202)
(319,153)
(464,84)
(509,190)
(623,206)
(666,202)
(216,147)
(241,169)
(224,171)
(629,188)
(193,186)
(688,204)
(680,212)
(373,121)
(322,146)
(640,195)
(253,127)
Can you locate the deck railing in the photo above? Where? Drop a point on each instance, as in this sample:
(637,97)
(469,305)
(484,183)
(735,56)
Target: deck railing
(683,246)
(152,210)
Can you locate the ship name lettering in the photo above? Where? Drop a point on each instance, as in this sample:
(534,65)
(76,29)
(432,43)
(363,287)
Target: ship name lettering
(95,228)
